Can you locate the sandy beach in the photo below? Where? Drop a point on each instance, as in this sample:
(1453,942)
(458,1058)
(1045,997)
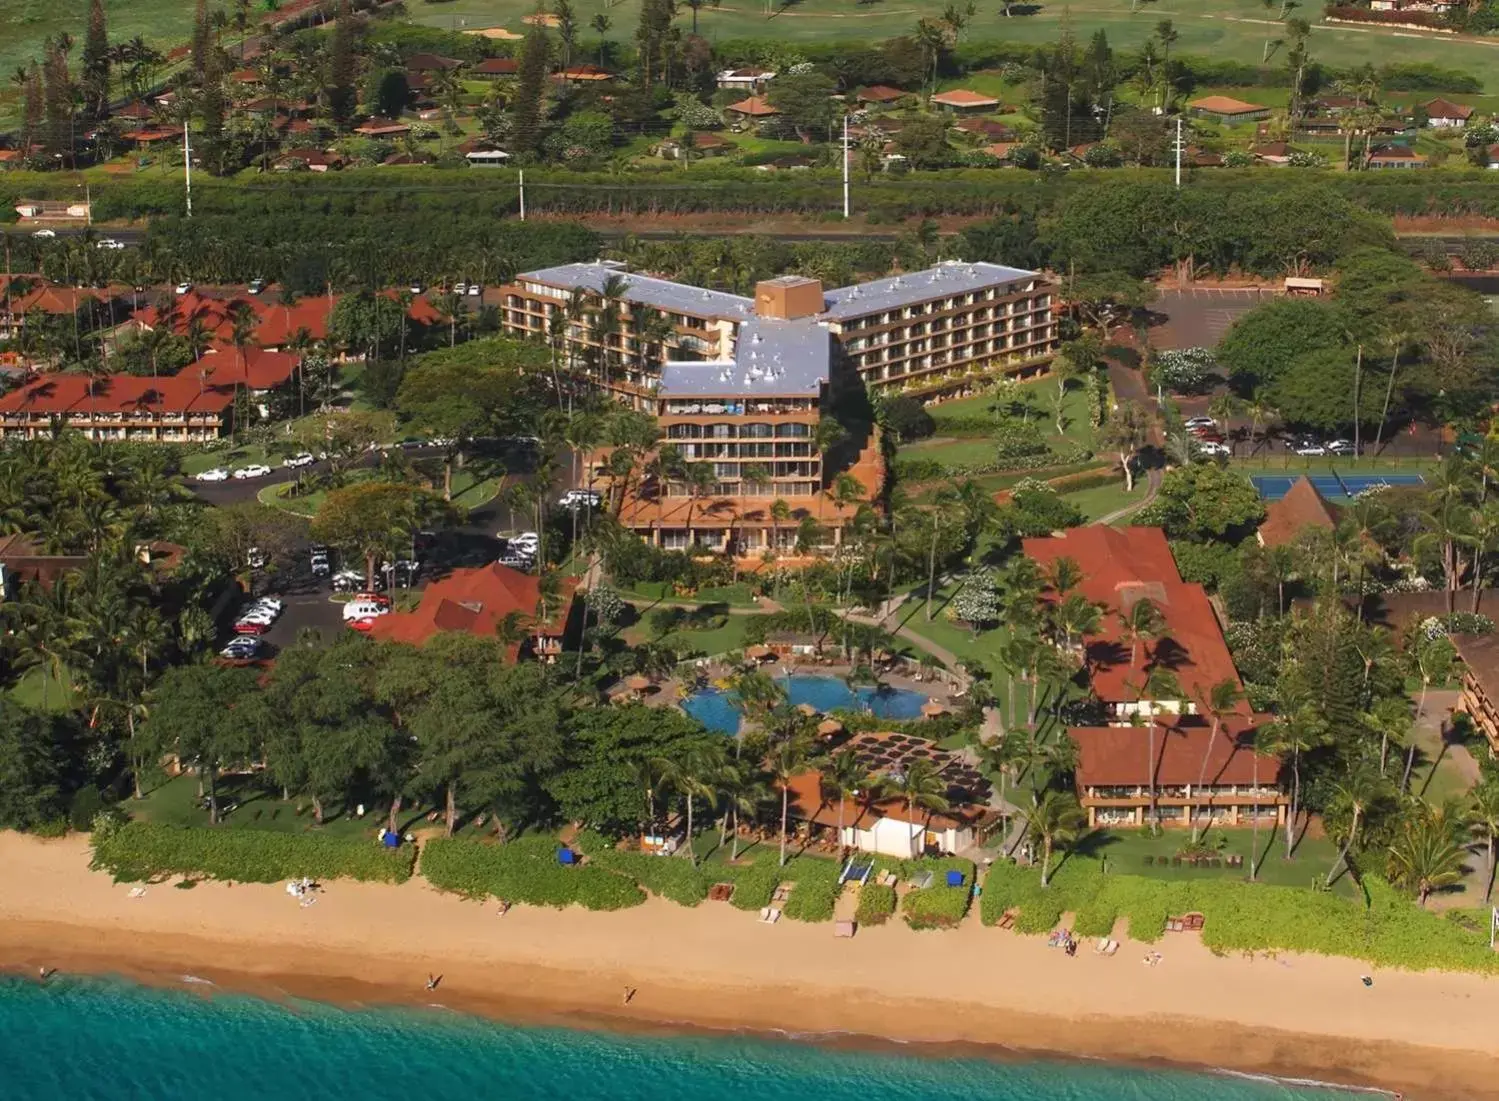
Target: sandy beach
(1426,1035)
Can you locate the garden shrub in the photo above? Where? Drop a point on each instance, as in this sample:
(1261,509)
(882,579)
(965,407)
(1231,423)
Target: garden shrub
(525,870)
(815,888)
(754,884)
(876,904)
(672,877)
(936,907)
(145,850)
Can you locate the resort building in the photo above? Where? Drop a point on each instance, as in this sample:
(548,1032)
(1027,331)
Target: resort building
(889,826)
(1215,776)
(1480,695)
(1227,109)
(927,332)
(1120,567)
(119,407)
(488,601)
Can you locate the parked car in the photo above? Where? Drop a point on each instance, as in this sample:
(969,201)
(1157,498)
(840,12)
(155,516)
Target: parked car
(475,290)
(365,609)
(251,626)
(1199,429)
(460,288)
(255,558)
(217,474)
(416,287)
(303,459)
(273,604)
(578,498)
(1213,448)
(182,287)
(1200,422)
(256,286)
(362,624)
(1310,447)
(516,561)
(317,556)
(45,234)
(254,470)
(242,648)
(352,581)
(1341,447)
(109,244)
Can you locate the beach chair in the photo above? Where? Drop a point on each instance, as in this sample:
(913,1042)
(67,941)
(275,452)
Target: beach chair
(1007,921)
(843,929)
(1106,947)
(769,915)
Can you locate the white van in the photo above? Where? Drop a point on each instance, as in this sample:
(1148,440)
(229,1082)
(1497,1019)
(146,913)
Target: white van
(364,609)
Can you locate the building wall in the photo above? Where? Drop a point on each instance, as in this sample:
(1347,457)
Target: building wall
(1481,709)
(114,427)
(1229,805)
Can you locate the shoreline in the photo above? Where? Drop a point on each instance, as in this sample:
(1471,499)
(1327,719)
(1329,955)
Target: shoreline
(715,971)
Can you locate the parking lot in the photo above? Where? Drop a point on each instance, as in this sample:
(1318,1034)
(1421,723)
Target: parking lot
(1197,317)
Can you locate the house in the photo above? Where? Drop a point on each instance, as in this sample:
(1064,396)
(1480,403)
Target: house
(749,79)
(888,826)
(701,142)
(492,158)
(71,210)
(493,67)
(1272,152)
(1480,695)
(24,561)
(118,407)
(254,369)
(1001,150)
(484,601)
(985,129)
(147,136)
(1184,767)
(1226,109)
(382,128)
(583,74)
(134,111)
(310,159)
(1395,156)
(24,294)
(1301,286)
(877,95)
(755,107)
(1302,507)
(960,101)
(1121,567)
(1443,114)
(432,63)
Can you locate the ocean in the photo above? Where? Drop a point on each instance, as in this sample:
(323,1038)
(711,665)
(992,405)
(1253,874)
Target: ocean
(76,1039)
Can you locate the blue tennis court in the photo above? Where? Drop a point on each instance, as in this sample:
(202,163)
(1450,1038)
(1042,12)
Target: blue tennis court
(1272,487)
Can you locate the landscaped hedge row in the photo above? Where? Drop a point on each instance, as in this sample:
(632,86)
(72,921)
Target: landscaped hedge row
(815,888)
(145,850)
(670,877)
(525,870)
(1247,917)
(932,470)
(936,907)
(876,904)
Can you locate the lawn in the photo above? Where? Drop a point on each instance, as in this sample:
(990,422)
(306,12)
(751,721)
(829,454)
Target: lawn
(1125,852)
(471,488)
(1102,500)
(228,457)
(28,690)
(1222,29)
(175,803)
(711,641)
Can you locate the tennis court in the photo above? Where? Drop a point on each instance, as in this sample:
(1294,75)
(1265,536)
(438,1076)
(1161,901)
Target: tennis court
(1272,487)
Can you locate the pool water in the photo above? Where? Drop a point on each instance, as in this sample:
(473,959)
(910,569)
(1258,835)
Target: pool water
(716,710)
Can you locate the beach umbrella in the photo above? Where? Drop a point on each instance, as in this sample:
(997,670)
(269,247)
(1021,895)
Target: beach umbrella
(638,683)
(806,709)
(932,709)
(829,726)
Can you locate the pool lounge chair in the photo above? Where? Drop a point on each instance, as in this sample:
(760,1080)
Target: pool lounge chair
(770,915)
(1106,947)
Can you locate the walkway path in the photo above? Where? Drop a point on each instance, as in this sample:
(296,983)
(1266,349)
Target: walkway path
(1153,481)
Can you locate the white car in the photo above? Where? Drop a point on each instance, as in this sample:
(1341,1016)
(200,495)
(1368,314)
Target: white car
(217,474)
(364,609)
(1200,422)
(460,288)
(273,604)
(304,459)
(254,470)
(577,498)
(475,289)
(109,244)
(1341,447)
(416,288)
(45,233)
(182,288)
(1310,448)
(1209,447)
(256,286)
(262,616)
(525,539)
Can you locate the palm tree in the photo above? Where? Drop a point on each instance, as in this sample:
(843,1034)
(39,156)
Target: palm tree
(1359,789)
(1058,820)
(1390,718)
(847,778)
(1141,623)
(687,775)
(600,25)
(920,785)
(941,515)
(1483,820)
(789,758)
(1001,756)
(1300,728)
(1425,856)
(1223,697)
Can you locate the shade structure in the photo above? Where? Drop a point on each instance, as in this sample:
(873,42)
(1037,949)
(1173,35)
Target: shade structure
(758,652)
(806,709)
(637,683)
(829,726)
(932,709)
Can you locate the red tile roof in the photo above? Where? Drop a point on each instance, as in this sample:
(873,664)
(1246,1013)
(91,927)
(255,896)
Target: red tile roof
(1301,507)
(879,93)
(261,370)
(1121,566)
(962,97)
(50,298)
(63,394)
(1120,755)
(1225,105)
(1446,109)
(754,107)
(472,600)
(497,66)
(376,127)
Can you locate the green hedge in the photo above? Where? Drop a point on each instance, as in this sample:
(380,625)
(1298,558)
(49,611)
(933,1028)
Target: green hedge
(936,907)
(145,850)
(1389,930)
(754,884)
(672,877)
(815,888)
(525,870)
(876,904)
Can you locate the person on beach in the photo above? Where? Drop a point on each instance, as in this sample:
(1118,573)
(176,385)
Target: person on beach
(629,994)
(433,980)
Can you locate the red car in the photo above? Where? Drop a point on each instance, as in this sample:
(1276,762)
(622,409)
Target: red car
(251,627)
(373,598)
(362,624)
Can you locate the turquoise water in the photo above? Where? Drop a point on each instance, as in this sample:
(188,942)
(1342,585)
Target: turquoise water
(85,1039)
(716,710)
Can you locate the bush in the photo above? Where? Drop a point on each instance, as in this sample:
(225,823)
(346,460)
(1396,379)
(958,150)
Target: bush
(87,802)
(908,420)
(754,884)
(527,871)
(815,890)
(936,907)
(1184,370)
(666,876)
(876,904)
(145,850)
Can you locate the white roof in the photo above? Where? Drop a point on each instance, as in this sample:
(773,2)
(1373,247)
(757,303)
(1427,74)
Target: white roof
(948,277)
(647,290)
(781,358)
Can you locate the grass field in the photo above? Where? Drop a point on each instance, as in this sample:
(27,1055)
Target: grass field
(1224,29)
(1102,500)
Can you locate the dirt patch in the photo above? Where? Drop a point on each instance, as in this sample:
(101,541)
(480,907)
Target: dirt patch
(1422,224)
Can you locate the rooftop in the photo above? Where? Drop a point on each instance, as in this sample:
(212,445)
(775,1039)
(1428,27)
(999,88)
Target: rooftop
(61,395)
(948,277)
(1225,105)
(784,358)
(962,97)
(1118,755)
(1302,507)
(1120,567)
(475,601)
(754,107)
(879,93)
(646,290)
(1480,653)
(1446,109)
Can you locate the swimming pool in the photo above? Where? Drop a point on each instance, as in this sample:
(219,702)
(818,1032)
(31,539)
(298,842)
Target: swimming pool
(715,709)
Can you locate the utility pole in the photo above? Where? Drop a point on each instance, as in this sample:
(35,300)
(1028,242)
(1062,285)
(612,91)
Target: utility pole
(187,163)
(1178,152)
(845,166)
(523,194)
